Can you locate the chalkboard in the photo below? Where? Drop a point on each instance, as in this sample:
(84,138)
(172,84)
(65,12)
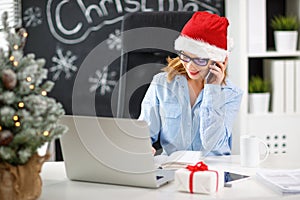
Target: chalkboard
(67,32)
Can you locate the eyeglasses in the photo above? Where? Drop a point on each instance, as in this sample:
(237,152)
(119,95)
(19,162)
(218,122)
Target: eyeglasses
(202,62)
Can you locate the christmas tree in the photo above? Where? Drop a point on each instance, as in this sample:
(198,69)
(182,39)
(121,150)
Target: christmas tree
(28,117)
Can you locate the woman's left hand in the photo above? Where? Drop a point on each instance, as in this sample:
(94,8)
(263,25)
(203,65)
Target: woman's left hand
(218,72)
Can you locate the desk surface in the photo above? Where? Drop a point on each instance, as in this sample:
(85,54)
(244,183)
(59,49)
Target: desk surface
(57,186)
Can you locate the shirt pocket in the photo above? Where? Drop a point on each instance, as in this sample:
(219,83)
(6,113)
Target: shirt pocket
(170,116)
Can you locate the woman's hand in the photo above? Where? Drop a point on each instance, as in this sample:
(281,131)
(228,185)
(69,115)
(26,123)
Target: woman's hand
(218,72)
(153,150)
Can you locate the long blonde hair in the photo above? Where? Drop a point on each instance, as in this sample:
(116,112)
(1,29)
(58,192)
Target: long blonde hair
(175,67)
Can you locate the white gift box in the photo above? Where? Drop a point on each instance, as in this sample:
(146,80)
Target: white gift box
(205,182)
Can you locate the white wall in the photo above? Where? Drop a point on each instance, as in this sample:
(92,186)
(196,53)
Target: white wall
(238,61)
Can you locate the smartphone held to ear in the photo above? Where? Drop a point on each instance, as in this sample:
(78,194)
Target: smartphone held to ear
(210,76)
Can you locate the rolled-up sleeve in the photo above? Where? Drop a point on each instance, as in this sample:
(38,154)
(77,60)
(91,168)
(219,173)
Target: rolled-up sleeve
(150,111)
(217,113)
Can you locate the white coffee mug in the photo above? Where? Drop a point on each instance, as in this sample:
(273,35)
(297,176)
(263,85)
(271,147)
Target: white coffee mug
(249,151)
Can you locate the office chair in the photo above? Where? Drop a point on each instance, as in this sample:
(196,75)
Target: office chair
(148,39)
(144,54)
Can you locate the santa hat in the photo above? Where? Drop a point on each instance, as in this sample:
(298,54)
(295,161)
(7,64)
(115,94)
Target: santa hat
(205,35)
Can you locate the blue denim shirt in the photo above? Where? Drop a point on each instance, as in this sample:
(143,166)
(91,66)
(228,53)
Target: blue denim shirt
(207,126)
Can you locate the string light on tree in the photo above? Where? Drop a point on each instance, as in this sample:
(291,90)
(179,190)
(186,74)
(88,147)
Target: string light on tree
(15,63)
(17,124)
(15,118)
(28,79)
(21,105)
(24,106)
(25,34)
(46,133)
(44,93)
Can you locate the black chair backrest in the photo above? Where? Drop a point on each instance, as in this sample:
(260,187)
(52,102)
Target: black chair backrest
(148,39)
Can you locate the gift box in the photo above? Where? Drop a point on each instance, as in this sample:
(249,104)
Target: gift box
(199,178)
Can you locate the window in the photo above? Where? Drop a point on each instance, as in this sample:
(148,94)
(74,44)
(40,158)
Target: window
(13,8)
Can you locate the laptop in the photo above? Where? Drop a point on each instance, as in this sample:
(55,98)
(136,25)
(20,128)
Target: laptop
(110,150)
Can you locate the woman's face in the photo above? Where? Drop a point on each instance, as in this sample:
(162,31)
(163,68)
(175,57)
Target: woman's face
(196,68)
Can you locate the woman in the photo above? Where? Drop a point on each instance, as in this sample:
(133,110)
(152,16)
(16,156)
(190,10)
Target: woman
(192,104)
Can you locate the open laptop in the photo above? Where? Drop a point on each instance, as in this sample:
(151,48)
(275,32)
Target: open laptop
(110,150)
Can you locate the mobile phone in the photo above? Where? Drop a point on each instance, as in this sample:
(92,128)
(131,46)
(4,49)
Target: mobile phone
(209,76)
(230,178)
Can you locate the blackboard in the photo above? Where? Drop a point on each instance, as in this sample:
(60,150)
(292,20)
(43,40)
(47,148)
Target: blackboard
(66,32)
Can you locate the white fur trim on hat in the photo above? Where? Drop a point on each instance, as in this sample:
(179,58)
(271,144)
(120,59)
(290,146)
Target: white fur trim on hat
(200,48)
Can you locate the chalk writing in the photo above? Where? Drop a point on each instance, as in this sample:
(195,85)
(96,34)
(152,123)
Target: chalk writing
(105,12)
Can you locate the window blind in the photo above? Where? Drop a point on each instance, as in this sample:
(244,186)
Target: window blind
(13,8)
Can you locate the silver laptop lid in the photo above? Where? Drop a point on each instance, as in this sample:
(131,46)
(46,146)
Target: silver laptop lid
(108,150)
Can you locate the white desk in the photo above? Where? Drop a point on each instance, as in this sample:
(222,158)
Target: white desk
(57,186)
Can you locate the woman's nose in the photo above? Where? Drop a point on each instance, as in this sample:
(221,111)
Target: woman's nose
(191,65)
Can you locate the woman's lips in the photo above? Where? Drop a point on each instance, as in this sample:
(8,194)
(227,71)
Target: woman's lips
(194,73)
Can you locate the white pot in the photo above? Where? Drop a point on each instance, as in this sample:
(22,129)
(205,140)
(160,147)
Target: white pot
(259,103)
(286,41)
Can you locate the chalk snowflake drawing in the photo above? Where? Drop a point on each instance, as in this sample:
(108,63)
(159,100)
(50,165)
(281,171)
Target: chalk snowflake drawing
(63,63)
(32,17)
(114,40)
(104,80)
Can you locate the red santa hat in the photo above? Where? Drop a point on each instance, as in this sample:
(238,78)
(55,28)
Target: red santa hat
(205,35)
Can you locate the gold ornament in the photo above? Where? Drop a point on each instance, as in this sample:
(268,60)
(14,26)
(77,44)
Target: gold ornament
(9,79)
(6,137)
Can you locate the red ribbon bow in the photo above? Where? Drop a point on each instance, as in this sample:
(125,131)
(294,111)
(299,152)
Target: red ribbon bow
(200,166)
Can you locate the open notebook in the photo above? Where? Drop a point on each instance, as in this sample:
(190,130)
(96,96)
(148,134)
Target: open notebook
(178,159)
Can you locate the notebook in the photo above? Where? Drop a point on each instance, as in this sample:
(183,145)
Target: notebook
(178,159)
(110,150)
